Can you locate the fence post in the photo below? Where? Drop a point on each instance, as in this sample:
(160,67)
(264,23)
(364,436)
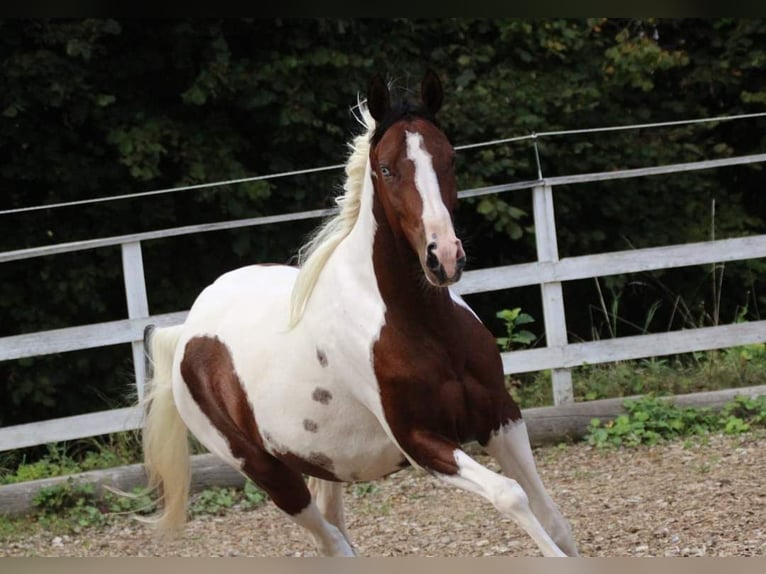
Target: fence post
(138,304)
(553,298)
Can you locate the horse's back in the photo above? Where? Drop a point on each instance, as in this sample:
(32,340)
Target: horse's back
(253,293)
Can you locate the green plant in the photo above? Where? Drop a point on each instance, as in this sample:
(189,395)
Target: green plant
(651,419)
(72,504)
(214,501)
(511,319)
(217,500)
(252,496)
(62,459)
(361,489)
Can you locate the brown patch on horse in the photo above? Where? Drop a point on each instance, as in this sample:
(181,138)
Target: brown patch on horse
(321,395)
(441,380)
(208,371)
(310,425)
(438,368)
(321,357)
(315,464)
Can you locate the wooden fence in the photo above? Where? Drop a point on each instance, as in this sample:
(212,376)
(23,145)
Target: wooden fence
(548,271)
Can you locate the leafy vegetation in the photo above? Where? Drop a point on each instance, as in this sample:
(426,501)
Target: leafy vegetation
(511,319)
(651,419)
(731,368)
(217,500)
(72,506)
(93,107)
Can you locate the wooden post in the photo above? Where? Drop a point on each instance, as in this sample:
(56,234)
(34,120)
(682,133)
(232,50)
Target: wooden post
(553,298)
(138,304)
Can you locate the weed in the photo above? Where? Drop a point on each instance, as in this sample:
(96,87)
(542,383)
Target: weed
(252,496)
(362,489)
(511,319)
(650,419)
(62,459)
(76,505)
(217,500)
(213,501)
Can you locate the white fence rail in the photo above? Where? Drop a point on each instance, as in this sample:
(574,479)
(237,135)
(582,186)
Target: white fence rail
(548,271)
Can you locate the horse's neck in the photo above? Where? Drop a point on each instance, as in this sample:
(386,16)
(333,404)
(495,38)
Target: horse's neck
(400,277)
(383,262)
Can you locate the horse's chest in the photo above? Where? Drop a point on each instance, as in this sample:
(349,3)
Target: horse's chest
(426,383)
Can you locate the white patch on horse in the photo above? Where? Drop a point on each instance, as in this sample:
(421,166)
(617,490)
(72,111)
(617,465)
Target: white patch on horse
(510,446)
(505,494)
(248,310)
(460,301)
(328,537)
(436,219)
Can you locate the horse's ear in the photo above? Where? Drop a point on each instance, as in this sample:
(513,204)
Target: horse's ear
(378,98)
(431,92)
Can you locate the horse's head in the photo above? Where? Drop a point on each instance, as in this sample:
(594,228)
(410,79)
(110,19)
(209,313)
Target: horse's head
(412,165)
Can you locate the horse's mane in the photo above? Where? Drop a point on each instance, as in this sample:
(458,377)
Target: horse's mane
(314,254)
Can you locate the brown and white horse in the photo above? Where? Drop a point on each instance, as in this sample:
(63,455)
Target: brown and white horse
(356,365)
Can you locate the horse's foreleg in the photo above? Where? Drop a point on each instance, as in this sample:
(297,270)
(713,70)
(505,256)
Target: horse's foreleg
(446,461)
(510,447)
(328,496)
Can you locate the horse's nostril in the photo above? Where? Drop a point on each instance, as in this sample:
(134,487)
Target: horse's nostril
(432,261)
(460,263)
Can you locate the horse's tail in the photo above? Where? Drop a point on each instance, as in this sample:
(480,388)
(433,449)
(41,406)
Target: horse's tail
(165,438)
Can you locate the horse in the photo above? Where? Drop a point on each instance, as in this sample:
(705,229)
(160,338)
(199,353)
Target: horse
(355,364)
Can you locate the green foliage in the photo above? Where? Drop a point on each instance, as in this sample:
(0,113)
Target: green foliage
(55,463)
(731,368)
(72,506)
(362,489)
(214,501)
(61,459)
(252,496)
(93,107)
(70,503)
(511,319)
(217,500)
(504,216)
(652,419)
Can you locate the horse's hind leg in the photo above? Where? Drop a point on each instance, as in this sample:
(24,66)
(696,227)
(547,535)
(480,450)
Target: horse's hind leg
(290,494)
(216,410)
(510,447)
(328,496)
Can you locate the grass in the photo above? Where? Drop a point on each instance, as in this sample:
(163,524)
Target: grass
(731,368)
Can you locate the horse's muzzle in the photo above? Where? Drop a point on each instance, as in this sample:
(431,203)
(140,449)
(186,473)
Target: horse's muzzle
(444,267)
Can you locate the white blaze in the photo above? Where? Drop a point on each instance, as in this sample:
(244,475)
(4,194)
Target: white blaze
(436,218)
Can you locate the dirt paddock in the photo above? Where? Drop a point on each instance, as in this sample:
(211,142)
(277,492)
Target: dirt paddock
(705,497)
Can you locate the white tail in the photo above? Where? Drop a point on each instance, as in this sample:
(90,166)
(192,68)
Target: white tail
(165,436)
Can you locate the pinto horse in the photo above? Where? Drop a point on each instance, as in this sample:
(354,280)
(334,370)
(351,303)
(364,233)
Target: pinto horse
(358,363)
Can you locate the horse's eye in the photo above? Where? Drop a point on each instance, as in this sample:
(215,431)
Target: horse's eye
(385,171)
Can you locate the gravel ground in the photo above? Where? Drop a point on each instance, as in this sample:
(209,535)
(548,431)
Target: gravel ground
(707,498)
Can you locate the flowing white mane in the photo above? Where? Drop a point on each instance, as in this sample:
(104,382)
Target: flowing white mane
(313,256)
